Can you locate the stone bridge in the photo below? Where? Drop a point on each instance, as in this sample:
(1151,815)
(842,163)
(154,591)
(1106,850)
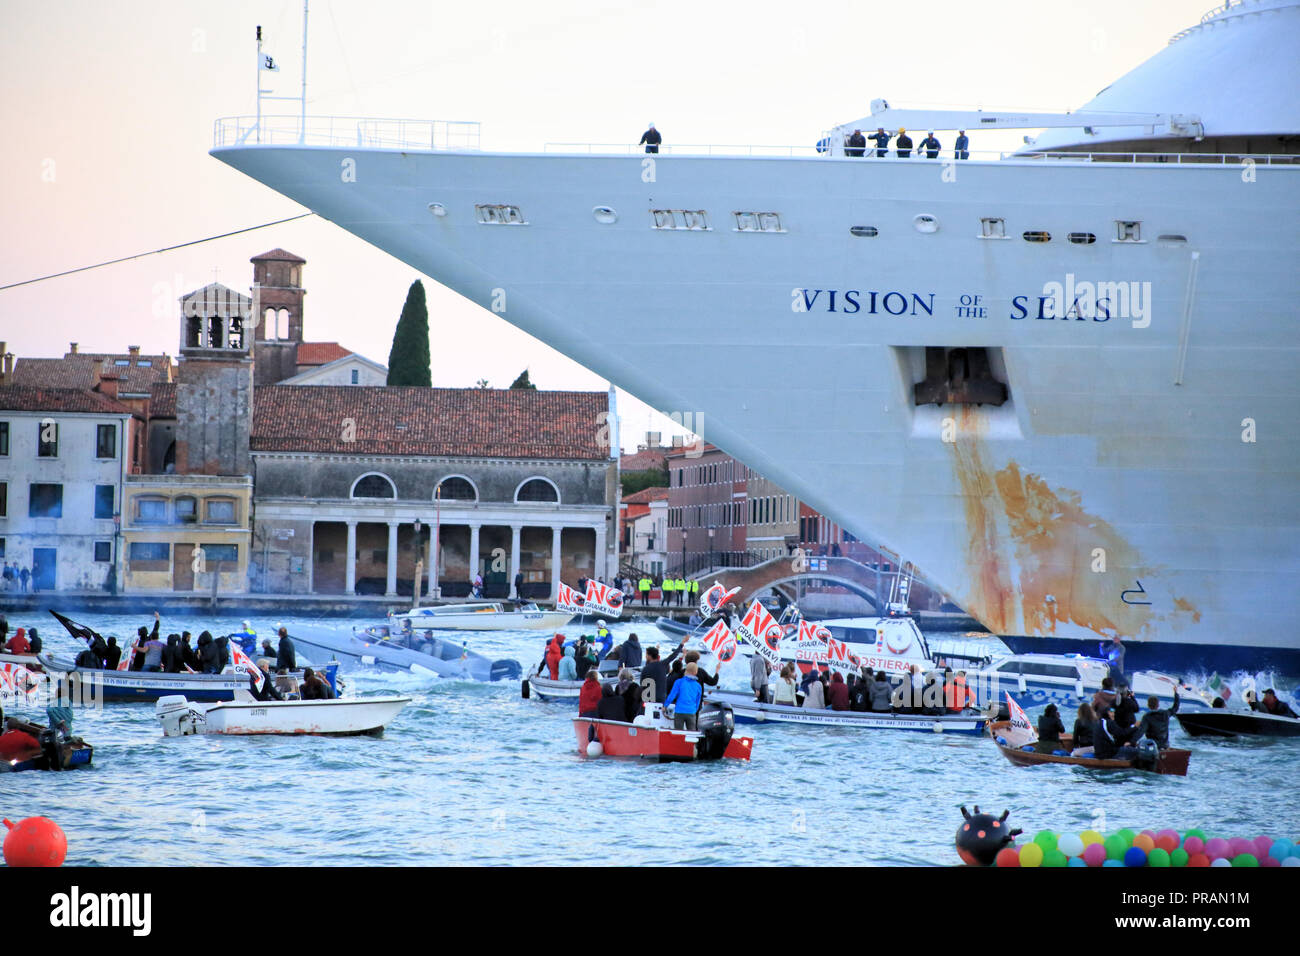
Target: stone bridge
(780,572)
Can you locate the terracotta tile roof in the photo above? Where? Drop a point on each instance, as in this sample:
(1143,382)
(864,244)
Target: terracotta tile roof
(320,353)
(645,496)
(694,450)
(648,459)
(162,401)
(278,254)
(27,398)
(462,422)
(78,371)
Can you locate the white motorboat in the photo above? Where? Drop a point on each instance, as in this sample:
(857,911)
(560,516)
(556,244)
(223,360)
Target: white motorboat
(480,616)
(341,717)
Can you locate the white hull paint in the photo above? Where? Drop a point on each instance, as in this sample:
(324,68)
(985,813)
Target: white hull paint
(359,715)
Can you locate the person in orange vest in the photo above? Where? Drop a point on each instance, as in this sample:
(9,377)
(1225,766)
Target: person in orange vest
(957,696)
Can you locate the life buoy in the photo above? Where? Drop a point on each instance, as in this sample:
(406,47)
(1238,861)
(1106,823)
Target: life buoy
(903,644)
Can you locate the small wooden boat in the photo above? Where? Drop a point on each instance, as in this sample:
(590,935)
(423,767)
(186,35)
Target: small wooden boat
(652,737)
(1237,723)
(51,751)
(347,717)
(118,686)
(547,689)
(1171,761)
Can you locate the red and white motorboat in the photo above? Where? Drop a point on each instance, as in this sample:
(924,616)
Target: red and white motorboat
(652,737)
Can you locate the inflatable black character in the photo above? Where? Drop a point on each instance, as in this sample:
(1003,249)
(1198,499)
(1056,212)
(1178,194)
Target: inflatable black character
(982,835)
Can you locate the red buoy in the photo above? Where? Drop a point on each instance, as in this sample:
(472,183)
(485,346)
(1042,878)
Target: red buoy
(36,841)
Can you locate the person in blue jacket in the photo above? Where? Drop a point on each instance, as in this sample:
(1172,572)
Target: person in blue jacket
(604,639)
(685,699)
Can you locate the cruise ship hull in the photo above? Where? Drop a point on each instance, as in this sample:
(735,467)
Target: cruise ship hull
(1143,475)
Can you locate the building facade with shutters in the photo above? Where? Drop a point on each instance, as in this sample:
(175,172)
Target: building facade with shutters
(358,488)
(64,455)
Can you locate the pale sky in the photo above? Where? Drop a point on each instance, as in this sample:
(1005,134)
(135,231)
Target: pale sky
(108,108)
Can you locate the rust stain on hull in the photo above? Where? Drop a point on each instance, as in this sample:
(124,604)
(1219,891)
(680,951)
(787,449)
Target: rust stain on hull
(1018,524)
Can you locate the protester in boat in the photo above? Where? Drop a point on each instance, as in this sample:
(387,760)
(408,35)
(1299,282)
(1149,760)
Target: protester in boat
(959,696)
(837,695)
(589,696)
(567,669)
(759,672)
(787,688)
(208,656)
(153,651)
(87,659)
(18,644)
(685,699)
(189,656)
(1110,741)
(814,691)
(1105,697)
(1219,703)
(677,670)
(59,713)
(1271,705)
(223,653)
(611,705)
(1155,722)
(629,652)
(112,654)
(313,686)
(860,694)
(4,625)
(552,655)
(654,675)
(269,690)
(587,657)
(35,645)
(286,657)
(630,692)
(267,649)
(170,653)
(1050,729)
(881,694)
(1127,708)
(1084,721)
(16,743)
(604,640)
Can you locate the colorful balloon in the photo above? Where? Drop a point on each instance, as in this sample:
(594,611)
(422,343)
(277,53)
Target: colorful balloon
(1055,858)
(1135,856)
(1089,837)
(1291,861)
(1046,839)
(1070,845)
(1198,859)
(1094,854)
(1144,842)
(35,841)
(1245,859)
(1217,847)
(1172,834)
(1115,847)
(1128,836)
(1193,845)
(1031,854)
(1158,857)
(1078,861)
(1008,856)
(1222,861)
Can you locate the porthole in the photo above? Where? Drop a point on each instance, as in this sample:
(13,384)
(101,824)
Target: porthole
(1082,238)
(437,208)
(925,223)
(864,232)
(604,214)
(1037,235)
(1171,237)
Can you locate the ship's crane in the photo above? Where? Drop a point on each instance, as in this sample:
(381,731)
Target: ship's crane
(891,119)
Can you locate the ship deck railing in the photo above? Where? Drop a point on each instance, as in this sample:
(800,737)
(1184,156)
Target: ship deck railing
(345,132)
(416,135)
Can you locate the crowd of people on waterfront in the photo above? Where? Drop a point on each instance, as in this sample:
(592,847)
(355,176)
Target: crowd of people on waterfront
(16,578)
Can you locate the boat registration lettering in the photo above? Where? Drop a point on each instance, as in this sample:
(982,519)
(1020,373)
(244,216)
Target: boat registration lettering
(258,712)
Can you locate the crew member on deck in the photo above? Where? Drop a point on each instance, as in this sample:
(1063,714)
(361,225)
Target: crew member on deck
(903,145)
(961,149)
(651,139)
(930,145)
(881,139)
(855,143)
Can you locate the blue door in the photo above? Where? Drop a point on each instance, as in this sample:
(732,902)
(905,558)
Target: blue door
(44,563)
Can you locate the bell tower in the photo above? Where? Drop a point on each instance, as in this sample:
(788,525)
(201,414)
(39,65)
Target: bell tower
(277,298)
(214,384)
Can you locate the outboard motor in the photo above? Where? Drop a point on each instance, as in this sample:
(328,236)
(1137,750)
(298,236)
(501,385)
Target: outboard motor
(178,718)
(1148,754)
(717,723)
(505,670)
(49,741)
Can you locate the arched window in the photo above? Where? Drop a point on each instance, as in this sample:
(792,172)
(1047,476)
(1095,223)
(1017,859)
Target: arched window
(537,489)
(282,325)
(374,485)
(456,488)
(268,325)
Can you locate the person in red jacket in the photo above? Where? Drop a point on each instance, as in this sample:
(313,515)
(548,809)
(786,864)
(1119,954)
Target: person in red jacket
(837,695)
(18,644)
(589,699)
(554,651)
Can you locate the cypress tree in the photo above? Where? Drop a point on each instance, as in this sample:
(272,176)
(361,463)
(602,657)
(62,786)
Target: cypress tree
(523,381)
(408,362)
